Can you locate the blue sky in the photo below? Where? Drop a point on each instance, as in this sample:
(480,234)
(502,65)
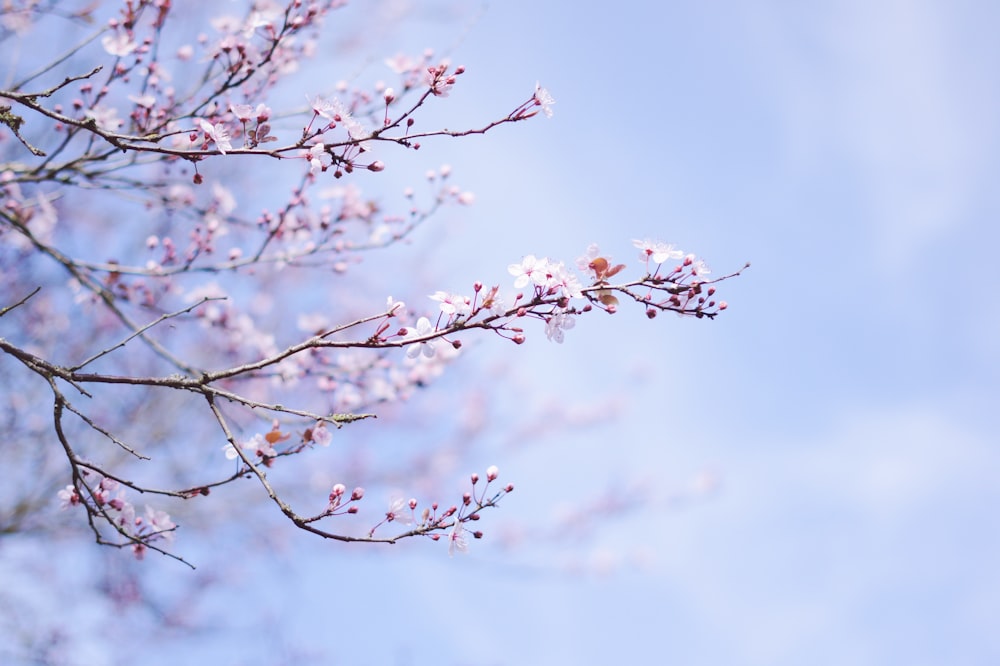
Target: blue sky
(844,404)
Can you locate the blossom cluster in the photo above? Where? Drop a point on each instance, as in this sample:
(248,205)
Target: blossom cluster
(108,499)
(135,252)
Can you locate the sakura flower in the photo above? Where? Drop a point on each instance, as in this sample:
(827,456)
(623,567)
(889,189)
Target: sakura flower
(397,308)
(243,112)
(145,101)
(401,63)
(556,324)
(330,109)
(531,269)
(160,522)
(697,266)
(106,118)
(452,304)
(457,541)
(425,348)
(315,155)
(257,444)
(321,435)
(359,133)
(544,100)
(583,261)
(566,282)
(656,251)
(217,133)
(435,79)
(68,497)
(399,512)
(119,45)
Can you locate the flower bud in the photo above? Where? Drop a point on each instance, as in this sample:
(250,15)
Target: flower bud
(357,494)
(492,472)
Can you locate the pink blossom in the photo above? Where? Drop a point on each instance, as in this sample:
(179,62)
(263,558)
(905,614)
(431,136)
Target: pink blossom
(330,109)
(452,304)
(315,155)
(160,522)
(399,512)
(243,112)
(145,101)
(120,44)
(106,118)
(397,308)
(401,63)
(656,251)
(544,100)
(68,497)
(567,283)
(435,79)
(593,252)
(531,269)
(216,133)
(556,324)
(427,348)
(321,435)
(457,541)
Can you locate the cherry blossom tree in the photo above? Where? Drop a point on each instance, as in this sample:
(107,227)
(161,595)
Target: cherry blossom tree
(185,241)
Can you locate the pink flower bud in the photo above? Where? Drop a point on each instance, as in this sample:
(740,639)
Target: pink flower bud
(492,472)
(357,494)
(518,339)
(376,166)
(475,478)
(413,503)
(466,499)
(509,488)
